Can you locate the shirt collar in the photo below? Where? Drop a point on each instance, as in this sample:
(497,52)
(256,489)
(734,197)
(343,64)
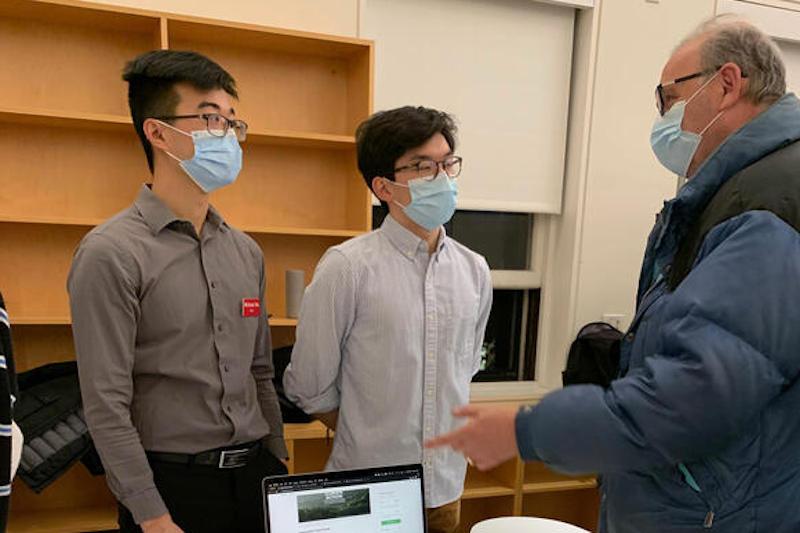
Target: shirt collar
(406,242)
(158,216)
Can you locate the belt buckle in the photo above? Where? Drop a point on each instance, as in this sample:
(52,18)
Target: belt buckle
(233,458)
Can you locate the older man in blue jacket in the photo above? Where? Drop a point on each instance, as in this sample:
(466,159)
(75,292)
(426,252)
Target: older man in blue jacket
(702,428)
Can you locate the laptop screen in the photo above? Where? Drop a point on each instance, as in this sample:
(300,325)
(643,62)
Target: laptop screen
(374,500)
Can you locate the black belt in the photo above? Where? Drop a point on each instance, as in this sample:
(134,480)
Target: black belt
(232,457)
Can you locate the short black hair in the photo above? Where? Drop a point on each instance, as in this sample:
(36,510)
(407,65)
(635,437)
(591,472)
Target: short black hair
(384,137)
(151,81)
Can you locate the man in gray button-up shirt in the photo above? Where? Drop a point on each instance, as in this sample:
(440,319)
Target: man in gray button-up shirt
(391,328)
(169,321)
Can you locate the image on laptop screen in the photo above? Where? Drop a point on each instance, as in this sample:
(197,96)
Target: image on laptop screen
(375,500)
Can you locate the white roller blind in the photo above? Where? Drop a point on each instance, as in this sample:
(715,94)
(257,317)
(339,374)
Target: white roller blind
(791,55)
(503,68)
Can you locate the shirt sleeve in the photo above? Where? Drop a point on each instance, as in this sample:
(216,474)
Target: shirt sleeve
(483,313)
(105,311)
(263,371)
(326,316)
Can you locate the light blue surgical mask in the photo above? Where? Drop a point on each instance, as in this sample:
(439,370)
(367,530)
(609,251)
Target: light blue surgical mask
(216,161)
(675,147)
(433,202)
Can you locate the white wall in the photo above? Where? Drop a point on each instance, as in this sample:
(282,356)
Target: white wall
(791,55)
(614,183)
(626,185)
(339,17)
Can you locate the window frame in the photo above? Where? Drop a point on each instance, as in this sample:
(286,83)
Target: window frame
(525,280)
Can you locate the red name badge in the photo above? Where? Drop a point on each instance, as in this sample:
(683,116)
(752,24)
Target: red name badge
(251,307)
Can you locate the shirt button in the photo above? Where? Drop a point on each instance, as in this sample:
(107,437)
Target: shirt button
(629,337)
(225,368)
(228,408)
(219,327)
(213,284)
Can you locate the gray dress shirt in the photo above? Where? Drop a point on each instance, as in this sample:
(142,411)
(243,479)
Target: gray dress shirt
(167,360)
(391,336)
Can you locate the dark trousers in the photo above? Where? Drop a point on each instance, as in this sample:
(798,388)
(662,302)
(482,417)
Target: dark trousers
(205,499)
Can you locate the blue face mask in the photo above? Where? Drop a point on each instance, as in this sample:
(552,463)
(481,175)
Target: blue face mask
(673,146)
(433,202)
(216,161)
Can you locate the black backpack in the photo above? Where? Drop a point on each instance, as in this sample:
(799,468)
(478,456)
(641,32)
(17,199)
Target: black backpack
(593,355)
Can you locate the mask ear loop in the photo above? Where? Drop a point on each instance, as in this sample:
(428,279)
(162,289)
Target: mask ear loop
(395,202)
(698,91)
(170,126)
(711,123)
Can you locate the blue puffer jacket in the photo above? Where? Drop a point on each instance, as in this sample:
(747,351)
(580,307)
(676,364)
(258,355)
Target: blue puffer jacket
(702,429)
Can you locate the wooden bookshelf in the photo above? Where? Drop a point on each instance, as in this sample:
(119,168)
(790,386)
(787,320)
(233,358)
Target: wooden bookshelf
(49,118)
(72,160)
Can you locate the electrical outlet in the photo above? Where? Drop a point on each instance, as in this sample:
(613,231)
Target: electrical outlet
(615,319)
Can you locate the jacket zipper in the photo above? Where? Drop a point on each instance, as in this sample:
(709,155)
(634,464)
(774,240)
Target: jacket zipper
(708,522)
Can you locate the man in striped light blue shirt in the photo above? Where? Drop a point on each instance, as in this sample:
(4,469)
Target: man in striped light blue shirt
(391,327)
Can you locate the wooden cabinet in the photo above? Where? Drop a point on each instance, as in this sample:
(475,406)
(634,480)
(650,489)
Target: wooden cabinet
(516,488)
(71,160)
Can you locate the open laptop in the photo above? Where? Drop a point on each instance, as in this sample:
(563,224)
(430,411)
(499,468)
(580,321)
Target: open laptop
(375,500)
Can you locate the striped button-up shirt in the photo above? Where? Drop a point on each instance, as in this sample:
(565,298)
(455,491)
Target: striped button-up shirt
(391,335)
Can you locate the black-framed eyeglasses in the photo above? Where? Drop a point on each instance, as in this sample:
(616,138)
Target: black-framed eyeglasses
(661,104)
(428,169)
(661,101)
(216,124)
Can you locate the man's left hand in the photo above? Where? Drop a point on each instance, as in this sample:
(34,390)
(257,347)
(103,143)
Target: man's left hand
(488,439)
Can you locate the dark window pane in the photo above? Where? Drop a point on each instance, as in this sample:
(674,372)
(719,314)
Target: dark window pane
(514,317)
(504,239)
(501,342)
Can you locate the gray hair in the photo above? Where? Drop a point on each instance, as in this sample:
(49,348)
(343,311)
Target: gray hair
(731,39)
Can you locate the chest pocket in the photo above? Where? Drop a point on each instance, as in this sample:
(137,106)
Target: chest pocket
(460,313)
